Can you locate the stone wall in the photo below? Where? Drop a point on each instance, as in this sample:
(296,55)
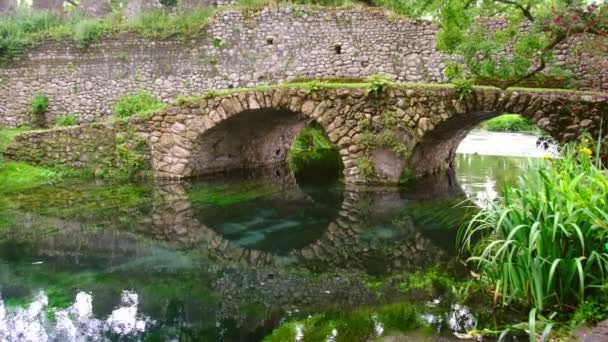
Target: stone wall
(412,129)
(239,49)
(92,147)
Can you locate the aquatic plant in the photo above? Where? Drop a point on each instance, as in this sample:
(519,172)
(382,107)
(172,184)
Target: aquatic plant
(357,325)
(543,244)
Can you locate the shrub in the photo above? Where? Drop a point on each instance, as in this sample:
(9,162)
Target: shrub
(509,123)
(543,243)
(377,84)
(87,31)
(464,88)
(65,120)
(139,103)
(39,104)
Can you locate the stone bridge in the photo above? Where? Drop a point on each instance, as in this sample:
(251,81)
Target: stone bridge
(411,129)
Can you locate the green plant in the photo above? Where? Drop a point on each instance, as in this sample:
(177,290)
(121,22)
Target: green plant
(140,103)
(377,84)
(509,123)
(366,167)
(209,60)
(543,243)
(388,119)
(313,87)
(464,88)
(216,42)
(366,140)
(313,156)
(453,71)
(87,31)
(39,104)
(65,120)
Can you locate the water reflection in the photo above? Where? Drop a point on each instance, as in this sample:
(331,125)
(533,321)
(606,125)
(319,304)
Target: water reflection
(39,322)
(222,258)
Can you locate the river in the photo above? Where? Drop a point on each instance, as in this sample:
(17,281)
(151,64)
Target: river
(231,258)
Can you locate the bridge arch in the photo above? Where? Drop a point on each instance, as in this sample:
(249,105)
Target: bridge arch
(564,116)
(252,128)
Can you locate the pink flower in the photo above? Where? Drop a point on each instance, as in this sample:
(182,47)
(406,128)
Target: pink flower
(574,17)
(557,19)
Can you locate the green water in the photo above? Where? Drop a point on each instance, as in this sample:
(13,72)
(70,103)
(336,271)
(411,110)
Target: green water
(232,259)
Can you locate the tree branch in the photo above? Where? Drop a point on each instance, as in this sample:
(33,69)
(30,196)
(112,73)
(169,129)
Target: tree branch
(524,10)
(542,63)
(71,2)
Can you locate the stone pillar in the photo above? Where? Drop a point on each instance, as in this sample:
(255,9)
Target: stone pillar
(48,5)
(95,8)
(7,6)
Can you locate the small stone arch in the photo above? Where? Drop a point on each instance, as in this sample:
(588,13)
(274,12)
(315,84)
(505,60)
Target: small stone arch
(250,129)
(564,116)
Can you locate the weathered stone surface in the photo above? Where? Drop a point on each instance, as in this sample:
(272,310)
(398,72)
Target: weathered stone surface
(236,132)
(87,83)
(7,6)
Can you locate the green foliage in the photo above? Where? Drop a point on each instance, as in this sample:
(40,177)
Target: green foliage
(366,167)
(140,103)
(39,104)
(543,243)
(216,42)
(87,31)
(406,176)
(7,135)
(356,325)
(17,176)
(377,84)
(313,156)
(26,29)
(222,195)
(453,71)
(313,87)
(65,120)
(388,119)
(367,140)
(509,123)
(162,24)
(210,60)
(464,88)
(509,54)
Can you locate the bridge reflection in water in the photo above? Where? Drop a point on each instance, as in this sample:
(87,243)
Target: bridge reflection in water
(192,245)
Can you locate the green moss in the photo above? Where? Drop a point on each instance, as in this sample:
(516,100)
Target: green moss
(7,135)
(313,157)
(222,195)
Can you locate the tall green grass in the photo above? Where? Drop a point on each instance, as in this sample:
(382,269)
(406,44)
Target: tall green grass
(25,29)
(544,243)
